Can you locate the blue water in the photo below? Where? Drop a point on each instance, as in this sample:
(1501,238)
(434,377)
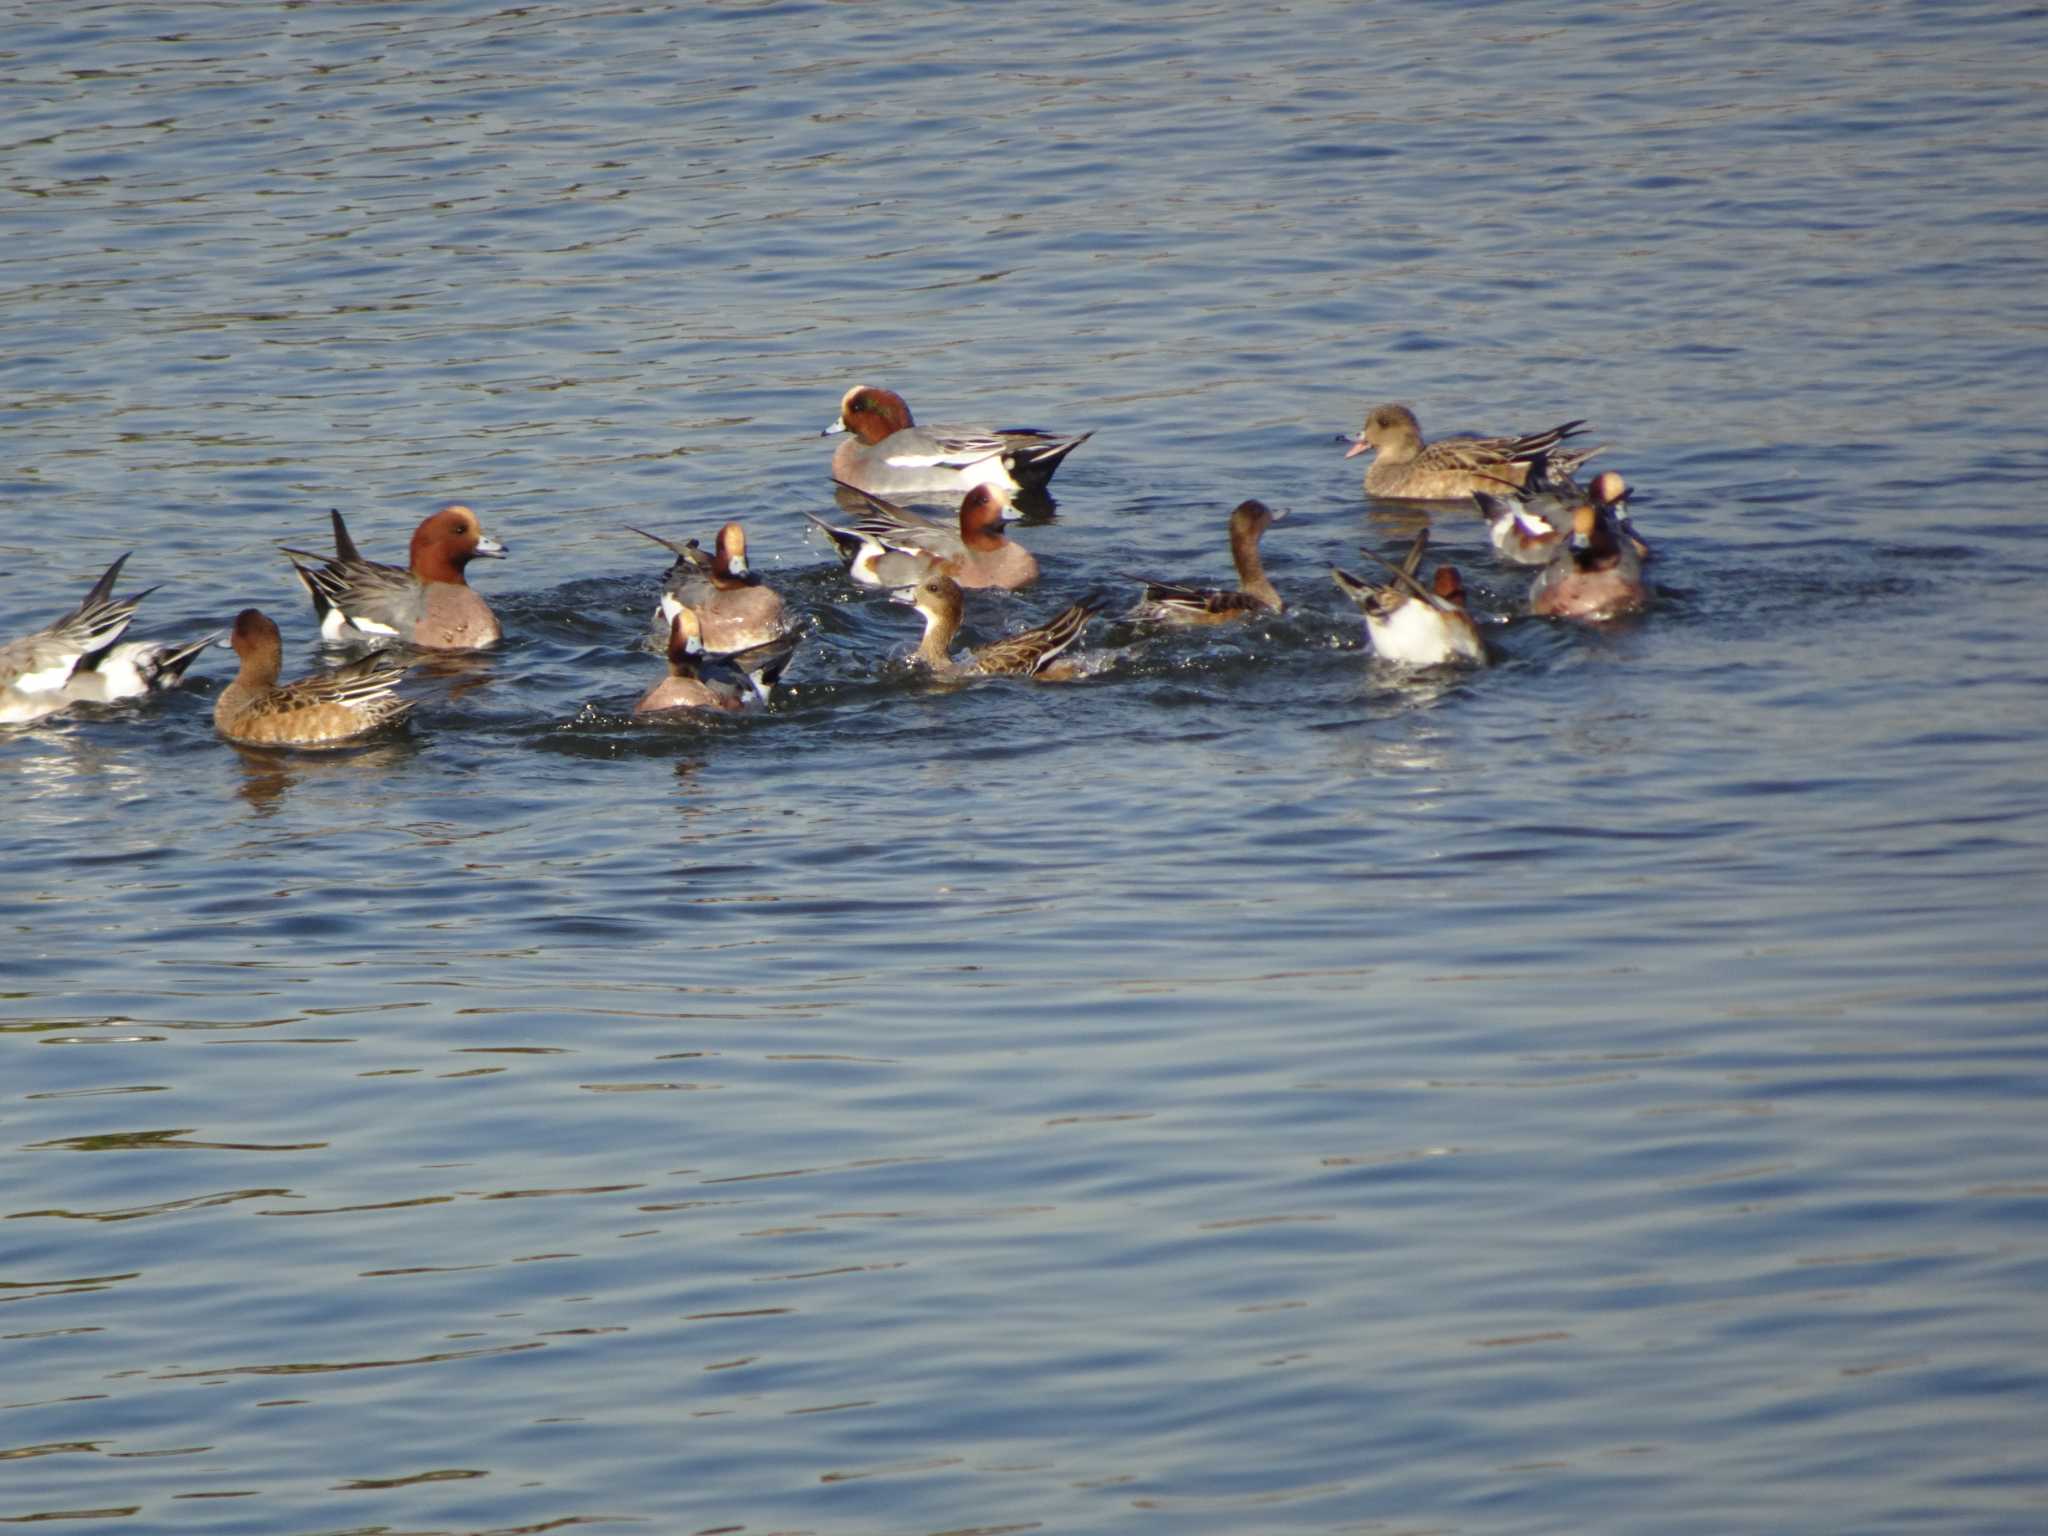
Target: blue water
(1249,1090)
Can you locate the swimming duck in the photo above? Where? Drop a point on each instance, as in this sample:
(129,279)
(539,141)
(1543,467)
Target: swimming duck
(735,609)
(888,454)
(1413,624)
(686,687)
(1171,603)
(1529,529)
(1405,468)
(973,552)
(428,604)
(324,710)
(1596,574)
(1029,653)
(36,669)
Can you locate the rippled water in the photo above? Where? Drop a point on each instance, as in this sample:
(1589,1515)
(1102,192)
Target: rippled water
(1246,1091)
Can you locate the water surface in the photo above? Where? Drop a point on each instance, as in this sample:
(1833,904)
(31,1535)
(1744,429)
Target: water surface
(1249,1090)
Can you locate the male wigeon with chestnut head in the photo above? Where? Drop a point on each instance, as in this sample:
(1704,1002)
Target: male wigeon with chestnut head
(1609,493)
(686,687)
(325,710)
(428,604)
(1530,529)
(975,552)
(735,608)
(888,454)
(1595,575)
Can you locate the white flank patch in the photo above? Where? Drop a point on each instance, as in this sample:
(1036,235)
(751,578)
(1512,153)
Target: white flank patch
(45,680)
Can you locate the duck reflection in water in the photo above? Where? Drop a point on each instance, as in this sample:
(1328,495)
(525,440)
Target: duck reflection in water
(268,773)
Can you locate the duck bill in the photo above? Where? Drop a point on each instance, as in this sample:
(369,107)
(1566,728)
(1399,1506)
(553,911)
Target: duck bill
(1358,445)
(491,548)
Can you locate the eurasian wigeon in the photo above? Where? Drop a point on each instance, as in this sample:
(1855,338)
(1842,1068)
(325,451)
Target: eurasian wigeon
(429,604)
(324,710)
(686,687)
(1171,603)
(888,454)
(1596,574)
(972,551)
(1404,468)
(1609,493)
(36,669)
(735,609)
(1029,653)
(1522,532)
(1413,624)
(1529,529)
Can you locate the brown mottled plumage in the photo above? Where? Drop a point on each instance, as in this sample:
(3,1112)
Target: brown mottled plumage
(1029,653)
(1405,468)
(323,710)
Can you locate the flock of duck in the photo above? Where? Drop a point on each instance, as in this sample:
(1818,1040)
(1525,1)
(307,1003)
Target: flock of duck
(730,636)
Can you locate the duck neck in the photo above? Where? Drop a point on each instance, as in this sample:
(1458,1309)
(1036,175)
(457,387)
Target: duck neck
(259,670)
(1251,571)
(437,562)
(936,649)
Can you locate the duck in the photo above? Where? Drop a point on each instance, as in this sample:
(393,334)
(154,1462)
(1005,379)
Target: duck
(1610,493)
(325,710)
(735,608)
(134,669)
(1528,529)
(1029,653)
(887,454)
(974,552)
(1522,532)
(1169,602)
(1405,468)
(1412,624)
(429,604)
(1596,574)
(37,669)
(686,687)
